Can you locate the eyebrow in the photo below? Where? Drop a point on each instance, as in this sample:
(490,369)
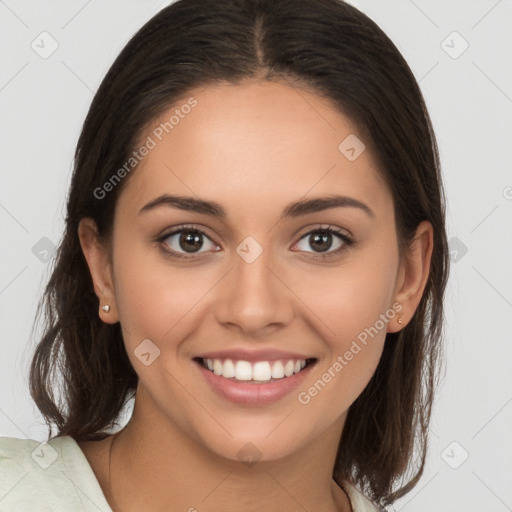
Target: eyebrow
(296,209)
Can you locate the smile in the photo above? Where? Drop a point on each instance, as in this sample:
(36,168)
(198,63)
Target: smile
(258,382)
(259,371)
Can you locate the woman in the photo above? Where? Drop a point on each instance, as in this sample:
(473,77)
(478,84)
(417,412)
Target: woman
(255,251)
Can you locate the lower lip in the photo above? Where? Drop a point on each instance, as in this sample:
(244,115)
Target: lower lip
(251,393)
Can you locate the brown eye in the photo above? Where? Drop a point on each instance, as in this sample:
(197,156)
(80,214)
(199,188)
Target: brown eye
(186,241)
(190,240)
(324,240)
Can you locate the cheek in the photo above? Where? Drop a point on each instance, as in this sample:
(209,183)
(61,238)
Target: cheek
(352,356)
(155,300)
(352,308)
(349,298)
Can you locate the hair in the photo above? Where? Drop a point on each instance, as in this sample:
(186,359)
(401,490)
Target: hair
(336,51)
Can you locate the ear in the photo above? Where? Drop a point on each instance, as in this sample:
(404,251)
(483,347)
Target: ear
(413,275)
(100,268)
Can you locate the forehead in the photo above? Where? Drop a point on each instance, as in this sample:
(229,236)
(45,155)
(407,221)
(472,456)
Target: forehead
(252,144)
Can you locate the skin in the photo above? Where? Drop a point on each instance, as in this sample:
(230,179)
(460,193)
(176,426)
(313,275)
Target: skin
(253,148)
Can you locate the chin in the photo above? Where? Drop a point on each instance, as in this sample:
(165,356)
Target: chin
(257,441)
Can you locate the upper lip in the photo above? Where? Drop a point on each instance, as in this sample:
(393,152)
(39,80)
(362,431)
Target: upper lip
(244,354)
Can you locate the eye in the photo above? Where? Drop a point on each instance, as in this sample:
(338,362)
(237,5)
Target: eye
(186,240)
(321,240)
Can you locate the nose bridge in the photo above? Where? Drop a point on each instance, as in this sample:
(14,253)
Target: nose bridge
(252,268)
(255,296)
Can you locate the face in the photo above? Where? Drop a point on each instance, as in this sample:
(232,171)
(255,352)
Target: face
(263,284)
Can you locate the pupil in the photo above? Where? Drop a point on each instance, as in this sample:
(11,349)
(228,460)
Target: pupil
(318,240)
(190,237)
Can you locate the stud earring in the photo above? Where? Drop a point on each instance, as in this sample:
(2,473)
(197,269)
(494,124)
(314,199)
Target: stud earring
(106,308)
(400,321)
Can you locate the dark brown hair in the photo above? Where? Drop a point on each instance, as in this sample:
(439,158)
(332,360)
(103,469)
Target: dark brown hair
(343,56)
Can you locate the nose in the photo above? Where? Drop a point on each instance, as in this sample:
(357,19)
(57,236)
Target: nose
(254,297)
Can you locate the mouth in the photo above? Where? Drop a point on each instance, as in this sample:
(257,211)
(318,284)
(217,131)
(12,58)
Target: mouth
(258,372)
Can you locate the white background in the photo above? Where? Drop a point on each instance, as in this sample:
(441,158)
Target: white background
(43,103)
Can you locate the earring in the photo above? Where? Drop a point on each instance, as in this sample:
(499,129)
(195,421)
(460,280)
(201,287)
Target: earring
(106,308)
(400,321)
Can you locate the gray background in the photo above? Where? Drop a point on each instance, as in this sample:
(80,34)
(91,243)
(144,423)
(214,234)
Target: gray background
(43,102)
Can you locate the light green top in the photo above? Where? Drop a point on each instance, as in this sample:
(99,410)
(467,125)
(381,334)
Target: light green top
(56,477)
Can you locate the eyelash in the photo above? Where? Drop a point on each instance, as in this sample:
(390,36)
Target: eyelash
(347,241)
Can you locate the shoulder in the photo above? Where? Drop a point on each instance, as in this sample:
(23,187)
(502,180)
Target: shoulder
(358,501)
(53,475)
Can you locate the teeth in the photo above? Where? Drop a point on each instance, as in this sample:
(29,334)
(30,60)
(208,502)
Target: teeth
(262,371)
(243,370)
(288,368)
(228,369)
(277,370)
(217,367)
